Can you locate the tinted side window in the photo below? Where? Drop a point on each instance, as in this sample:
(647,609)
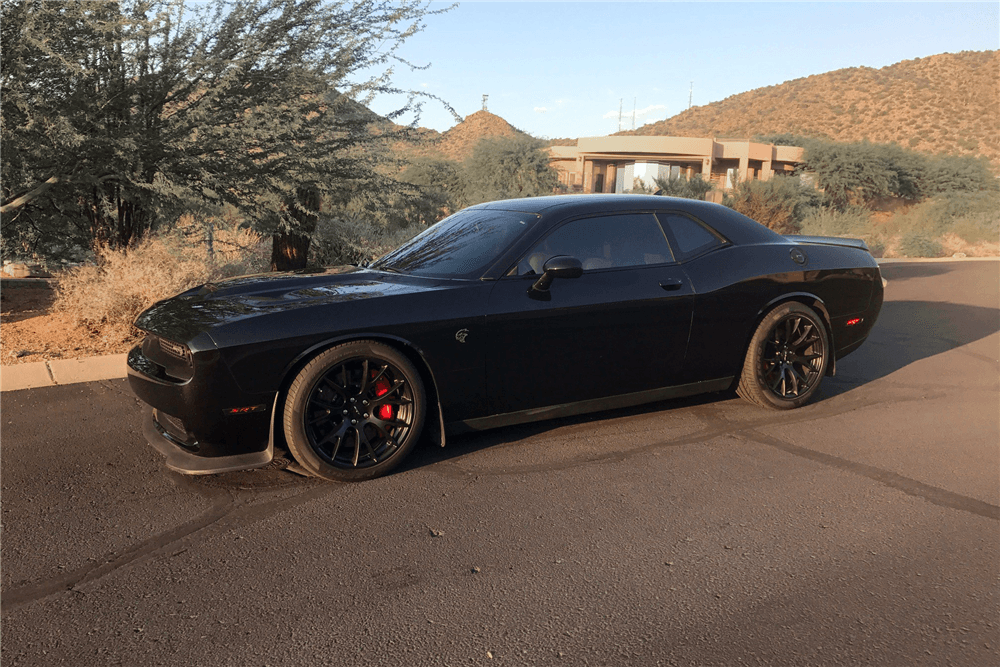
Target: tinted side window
(689,237)
(602,243)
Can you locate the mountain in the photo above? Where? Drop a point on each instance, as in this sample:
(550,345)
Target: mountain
(457,143)
(948,103)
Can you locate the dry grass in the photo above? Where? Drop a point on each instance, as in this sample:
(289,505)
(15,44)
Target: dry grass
(355,240)
(109,295)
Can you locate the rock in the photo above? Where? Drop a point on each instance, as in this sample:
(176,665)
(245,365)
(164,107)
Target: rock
(959,255)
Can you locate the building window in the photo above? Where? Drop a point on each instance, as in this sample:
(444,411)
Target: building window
(732,177)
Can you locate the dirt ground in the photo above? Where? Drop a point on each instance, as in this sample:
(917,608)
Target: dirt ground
(30,331)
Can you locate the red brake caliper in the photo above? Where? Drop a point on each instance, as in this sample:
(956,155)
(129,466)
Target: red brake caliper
(382,388)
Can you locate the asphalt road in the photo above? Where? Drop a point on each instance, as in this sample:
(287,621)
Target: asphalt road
(861,529)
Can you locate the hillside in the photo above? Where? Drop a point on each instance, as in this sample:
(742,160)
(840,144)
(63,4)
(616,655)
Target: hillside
(457,143)
(948,103)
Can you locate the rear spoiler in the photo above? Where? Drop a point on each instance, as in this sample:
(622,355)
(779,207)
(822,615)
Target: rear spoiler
(829,240)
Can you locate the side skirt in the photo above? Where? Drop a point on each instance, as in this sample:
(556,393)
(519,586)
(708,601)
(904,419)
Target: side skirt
(591,405)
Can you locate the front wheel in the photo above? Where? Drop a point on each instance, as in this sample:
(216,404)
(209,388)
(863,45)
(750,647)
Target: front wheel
(787,358)
(354,412)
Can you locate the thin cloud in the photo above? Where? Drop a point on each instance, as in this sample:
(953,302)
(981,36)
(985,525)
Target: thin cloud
(650,109)
(540,109)
(638,112)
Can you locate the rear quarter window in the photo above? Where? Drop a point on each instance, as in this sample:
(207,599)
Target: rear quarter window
(689,237)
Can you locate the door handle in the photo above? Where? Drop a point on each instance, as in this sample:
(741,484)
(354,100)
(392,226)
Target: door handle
(672,285)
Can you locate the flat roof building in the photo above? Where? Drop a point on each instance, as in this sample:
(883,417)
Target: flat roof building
(611,164)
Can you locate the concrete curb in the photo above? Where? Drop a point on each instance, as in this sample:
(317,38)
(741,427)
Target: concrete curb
(62,371)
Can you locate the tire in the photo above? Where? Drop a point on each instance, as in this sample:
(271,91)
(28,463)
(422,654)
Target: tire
(354,411)
(787,358)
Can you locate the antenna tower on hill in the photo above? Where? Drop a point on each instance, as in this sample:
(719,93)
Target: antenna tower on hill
(485,97)
(690,94)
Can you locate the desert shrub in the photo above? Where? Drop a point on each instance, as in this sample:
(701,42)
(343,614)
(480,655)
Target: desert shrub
(968,214)
(507,167)
(687,188)
(353,240)
(978,229)
(639,187)
(852,221)
(779,203)
(233,244)
(945,174)
(916,244)
(438,187)
(110,294)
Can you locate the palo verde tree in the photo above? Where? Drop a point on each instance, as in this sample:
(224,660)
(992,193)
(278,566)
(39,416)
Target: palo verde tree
(119,115)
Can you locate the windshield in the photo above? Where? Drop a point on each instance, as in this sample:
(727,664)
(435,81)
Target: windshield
(462,245)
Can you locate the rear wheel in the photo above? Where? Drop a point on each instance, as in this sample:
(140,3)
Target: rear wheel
(787,358)
(354,412)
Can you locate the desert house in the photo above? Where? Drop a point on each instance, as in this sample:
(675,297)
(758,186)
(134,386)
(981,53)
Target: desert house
(610,164)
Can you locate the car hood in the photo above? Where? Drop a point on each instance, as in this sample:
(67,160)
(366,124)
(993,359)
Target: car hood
(203,308)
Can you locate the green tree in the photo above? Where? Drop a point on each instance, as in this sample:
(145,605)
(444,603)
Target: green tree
(949,174)
(119,115)
(850,173)
(505,168)
(438,183)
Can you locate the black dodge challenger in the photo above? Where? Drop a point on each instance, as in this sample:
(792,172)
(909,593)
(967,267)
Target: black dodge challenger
(505,312)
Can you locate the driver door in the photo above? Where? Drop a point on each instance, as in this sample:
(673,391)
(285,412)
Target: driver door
(621,327)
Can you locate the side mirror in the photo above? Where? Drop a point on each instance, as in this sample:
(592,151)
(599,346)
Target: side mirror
(560,266)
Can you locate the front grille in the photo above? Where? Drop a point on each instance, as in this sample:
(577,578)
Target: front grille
(174,349)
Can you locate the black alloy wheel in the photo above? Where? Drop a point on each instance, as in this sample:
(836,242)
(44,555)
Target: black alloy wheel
(787,358)
(354,411)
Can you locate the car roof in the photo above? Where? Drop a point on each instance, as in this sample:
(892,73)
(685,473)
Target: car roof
(737,227)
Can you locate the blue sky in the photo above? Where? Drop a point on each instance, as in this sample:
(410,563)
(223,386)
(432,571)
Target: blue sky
(559,69)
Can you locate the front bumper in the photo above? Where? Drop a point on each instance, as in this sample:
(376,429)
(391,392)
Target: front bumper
(181,459)
(193,421)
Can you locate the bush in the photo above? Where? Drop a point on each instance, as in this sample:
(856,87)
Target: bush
(915,244)
(505,168)
(355,240)
(109,295)
(946,174)
(693,188)
(973,216)
(854,222)
(779,203)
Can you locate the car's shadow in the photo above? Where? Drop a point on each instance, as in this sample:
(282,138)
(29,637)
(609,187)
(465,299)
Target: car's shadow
(906,332)
(899,272)
(428,452)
